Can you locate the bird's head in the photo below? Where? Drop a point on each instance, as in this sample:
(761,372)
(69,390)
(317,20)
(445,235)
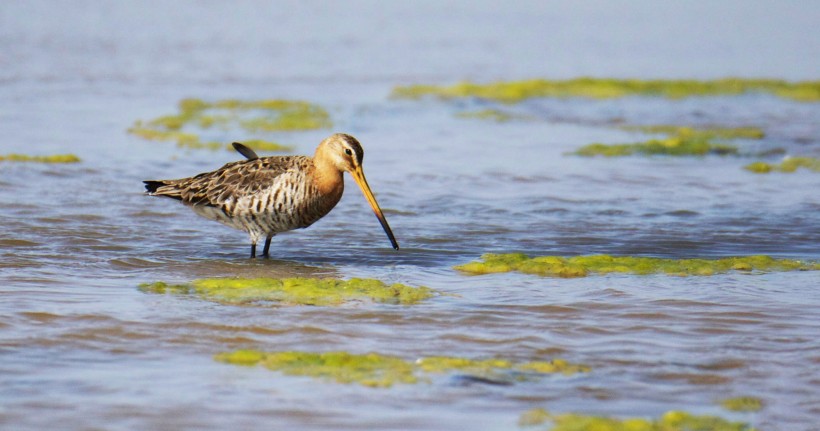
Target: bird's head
(345,153)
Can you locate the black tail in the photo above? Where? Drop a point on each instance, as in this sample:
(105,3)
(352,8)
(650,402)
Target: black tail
(245,151)
(152,186)
(165,188)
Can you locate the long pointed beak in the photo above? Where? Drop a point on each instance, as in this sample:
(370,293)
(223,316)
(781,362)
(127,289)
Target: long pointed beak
(358,175)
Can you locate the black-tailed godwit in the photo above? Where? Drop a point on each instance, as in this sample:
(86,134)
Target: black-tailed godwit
(267,195)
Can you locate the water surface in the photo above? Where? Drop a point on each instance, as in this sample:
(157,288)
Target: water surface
(82,348)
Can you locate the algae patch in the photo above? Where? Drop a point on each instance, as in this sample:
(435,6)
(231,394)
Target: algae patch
(788,165)
(672,146)
(492,115)
(376,370)
(582,266)
(673,420)
(602,88)
(704,132)
(55,158)
(342,367)
(294,291)
(680,141)
(493,368)
(196,117)
(742,404)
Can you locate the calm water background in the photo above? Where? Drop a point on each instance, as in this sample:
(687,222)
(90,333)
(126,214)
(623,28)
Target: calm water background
(82,348)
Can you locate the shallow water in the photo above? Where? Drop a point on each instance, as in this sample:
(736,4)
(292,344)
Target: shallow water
(82,348)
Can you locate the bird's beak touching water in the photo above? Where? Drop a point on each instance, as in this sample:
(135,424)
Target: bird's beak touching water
(358,175)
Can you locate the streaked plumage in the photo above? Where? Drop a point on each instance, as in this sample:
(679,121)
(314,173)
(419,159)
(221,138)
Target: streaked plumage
(267,195)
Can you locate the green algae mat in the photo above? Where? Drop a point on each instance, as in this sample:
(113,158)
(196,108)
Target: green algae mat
(701,132)
(196,116)
(56,158)
(294,291)
(582,266)
(375,370)
(603,88)
(675,420)
(742,404)
(680,141)
(492,115)
(788,165)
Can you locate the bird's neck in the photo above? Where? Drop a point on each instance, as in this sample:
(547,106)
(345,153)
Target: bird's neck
(327,178)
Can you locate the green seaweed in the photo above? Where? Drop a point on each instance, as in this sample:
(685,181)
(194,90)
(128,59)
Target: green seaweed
(673,420)
(681,141)
(192,106)
(298,116)
(759,167)
(162,288)
(672,146)
(742,404)
(152,134)
(368,369)
(701,132)
(252,116)
(582,266)
(491,115)
(487,367)
(377,370)
(55,158)
(602,88)
(294,291)
(788,165)
(182,139)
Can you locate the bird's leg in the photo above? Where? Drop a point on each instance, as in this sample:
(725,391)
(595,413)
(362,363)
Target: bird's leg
(267,246)
(253,250)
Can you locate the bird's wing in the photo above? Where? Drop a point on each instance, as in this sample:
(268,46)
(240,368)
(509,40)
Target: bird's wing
(236,180)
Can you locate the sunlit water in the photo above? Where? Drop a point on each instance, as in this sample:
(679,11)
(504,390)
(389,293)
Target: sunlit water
(82,348)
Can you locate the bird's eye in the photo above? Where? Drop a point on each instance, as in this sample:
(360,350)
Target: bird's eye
(348,152)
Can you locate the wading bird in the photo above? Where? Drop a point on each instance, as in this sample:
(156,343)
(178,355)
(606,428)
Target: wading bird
(267,195)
